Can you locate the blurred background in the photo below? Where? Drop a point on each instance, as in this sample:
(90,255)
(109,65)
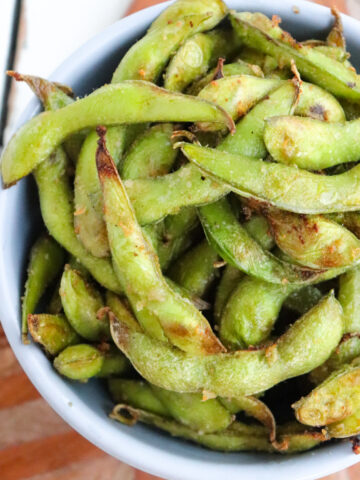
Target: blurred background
(35,37)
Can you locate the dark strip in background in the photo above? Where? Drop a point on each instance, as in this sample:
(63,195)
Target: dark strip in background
(9,66)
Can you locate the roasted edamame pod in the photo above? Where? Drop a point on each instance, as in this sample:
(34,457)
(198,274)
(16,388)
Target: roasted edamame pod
(128,102)
(349,288)
(334,399)
(46,261)
(258,31)
(227,283)
(237,373)
(284,186)
(53,332)
(138,271)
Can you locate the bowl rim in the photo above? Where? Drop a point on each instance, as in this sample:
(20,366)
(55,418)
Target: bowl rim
(60,396)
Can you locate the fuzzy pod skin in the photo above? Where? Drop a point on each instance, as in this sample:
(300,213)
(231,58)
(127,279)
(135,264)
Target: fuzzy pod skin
(196,56)
(114,364)
(239,249)
(306,345)
(334,399)
(313,241)
(302,300)
(236,94)
(79,362)
(251,312)
(349,287)
(195,270)
(268,64)
(347,350)
(162,312)
(238,437)
(283,186)
(82,304)
(287,140)
(45,263)
(53,332)
(237,68)
(132,101)
(313,102)
(147,58)
(259,32)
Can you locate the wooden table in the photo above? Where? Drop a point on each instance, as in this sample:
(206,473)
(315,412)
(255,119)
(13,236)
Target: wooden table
(36,444)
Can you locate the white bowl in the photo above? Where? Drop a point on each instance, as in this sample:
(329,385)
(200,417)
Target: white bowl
(85,407)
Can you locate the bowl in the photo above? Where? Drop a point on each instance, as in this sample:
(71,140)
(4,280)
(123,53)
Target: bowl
(85,406)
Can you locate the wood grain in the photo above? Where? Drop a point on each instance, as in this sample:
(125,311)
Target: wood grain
(36,444)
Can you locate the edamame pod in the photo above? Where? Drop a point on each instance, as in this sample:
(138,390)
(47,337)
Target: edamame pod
(195,270)
(258,228)
(268,64)
(46,261)
(313,241)
(196,56)
(287,140)
(302,300)
(306,345)
(258,31)
(53,332)
(82,305)
(239,249)
(349,288)
(128,102)
(251,312)
(163,313)
(238,437)
(114,363)
(348,427)
(334,399)
(284,186)
(236,94)
(147,58)
(237,68)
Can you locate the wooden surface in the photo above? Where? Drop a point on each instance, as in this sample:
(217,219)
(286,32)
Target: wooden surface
(35,443)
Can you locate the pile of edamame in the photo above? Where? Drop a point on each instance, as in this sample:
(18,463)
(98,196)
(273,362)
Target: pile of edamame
(202,253)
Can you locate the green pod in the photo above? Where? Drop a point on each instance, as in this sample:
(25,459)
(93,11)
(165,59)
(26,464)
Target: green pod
(174,235)
(236,94)
(56,204)
(132,101)
(251,312)
(334,399)
(114,364)
(54,306)
(313,102)
(287,140)
(121,310)
(350,220)
(349,287)
(306,345)
(162,312)
(258,228)
(196,56)
(284,186)
(53,332)
(238,437)
(348,427)
(237,68)
(193,411)
(313,241)
(46,261)
(268,64)
(137,394)
(336,53)
(53,96)
(151,154)
(82,304)
(258,31)
(154,198)
(147,58)
(347,350)
(226,286)
(188,295)
(195,270)
(239,249)
(79,362)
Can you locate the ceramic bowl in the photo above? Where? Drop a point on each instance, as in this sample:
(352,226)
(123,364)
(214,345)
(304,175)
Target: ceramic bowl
(85,407)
